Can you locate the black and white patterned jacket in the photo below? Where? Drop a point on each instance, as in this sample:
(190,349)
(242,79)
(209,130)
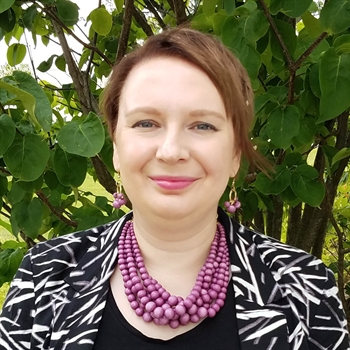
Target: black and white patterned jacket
(285,298)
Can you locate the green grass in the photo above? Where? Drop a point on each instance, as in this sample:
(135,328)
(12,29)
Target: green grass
(89,185)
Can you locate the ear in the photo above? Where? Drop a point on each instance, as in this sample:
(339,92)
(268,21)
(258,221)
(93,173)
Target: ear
(116,162)
(235,164)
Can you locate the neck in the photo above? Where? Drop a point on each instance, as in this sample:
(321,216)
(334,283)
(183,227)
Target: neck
(174,251)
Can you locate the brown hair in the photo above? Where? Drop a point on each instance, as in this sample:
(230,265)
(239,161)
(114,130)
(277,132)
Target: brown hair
(211,56)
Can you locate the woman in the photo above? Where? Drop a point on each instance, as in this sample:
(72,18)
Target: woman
(178,110)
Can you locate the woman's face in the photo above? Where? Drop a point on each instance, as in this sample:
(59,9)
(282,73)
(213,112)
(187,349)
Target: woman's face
(174,143)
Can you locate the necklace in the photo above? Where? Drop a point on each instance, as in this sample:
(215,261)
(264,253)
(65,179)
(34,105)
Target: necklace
(152,302)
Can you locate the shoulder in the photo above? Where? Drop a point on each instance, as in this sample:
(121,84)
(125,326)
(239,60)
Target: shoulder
(73,242)
(292,268)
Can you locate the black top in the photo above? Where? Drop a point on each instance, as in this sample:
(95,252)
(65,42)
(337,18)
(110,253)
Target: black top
(219,332)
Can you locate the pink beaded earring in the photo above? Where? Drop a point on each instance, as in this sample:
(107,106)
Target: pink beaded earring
(119,198)
(233,203)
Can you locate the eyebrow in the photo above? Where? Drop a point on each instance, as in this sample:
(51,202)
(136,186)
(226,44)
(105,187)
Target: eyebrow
(156,112)
(205,112)
(146,110)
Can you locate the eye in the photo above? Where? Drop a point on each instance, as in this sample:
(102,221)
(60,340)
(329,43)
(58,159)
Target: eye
(205,127)
(144,124)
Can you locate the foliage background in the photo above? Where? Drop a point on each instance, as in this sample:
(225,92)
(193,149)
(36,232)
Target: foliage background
(297,54)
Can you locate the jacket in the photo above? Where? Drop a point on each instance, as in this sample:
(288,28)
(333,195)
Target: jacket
(285,298)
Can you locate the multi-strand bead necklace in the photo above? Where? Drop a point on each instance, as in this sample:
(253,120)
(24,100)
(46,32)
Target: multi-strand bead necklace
(153,303)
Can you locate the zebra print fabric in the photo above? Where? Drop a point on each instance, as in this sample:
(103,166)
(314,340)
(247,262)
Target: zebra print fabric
(285,299)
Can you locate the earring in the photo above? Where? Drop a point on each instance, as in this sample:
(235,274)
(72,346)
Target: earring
(233,203)
(119,198)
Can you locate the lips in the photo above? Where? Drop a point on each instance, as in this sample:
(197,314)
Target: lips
(173,182)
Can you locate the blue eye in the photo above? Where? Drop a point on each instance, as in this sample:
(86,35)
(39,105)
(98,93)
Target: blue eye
(205,126)
(144,124)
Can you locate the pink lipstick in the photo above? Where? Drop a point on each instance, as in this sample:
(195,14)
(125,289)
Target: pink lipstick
(172,183)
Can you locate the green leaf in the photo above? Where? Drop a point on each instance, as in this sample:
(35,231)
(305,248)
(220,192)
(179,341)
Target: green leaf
(7,133)
(335,16)
(289,37)
(342,44)
(229,6)
(314,80)
(61,63)
(15,194)
(10,260)
(293,159)
(307,131)
(5,5)
(8,20)
(307,171)
(27,99)
(311,24)
(16,54)
(274,185)
(309,191)
(28,216)
(291,8)
(106,154)
(27,157)
(51,180)
(43,111)
(255,27)
(29,16)
(232,37)
(250,204)
(84,139)
(101,21)
(89,217)
(31,186)
(119,5)
(68,12)
(335,84)
(282,125)
(208,7)
(69,168)
(46,65)
(343,153)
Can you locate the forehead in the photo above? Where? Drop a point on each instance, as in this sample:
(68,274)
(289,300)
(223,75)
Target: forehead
(166,74)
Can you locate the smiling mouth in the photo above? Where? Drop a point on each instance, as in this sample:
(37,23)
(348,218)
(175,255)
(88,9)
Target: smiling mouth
(173,182)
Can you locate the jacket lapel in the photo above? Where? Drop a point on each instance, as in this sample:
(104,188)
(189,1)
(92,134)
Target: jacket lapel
(78,314)
(260,325)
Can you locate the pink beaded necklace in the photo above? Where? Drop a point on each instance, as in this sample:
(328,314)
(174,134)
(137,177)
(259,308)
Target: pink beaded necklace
(153,303)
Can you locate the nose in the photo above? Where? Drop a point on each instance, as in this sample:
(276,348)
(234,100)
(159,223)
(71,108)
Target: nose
(173,146)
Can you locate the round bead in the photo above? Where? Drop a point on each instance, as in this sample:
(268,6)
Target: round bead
(180,309)
(158,312)
(174,324)
(147,317)
(172,301)
(150,306)
(202,312)
(169,313)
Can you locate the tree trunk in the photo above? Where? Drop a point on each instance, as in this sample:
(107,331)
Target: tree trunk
(259,221)
(294,217)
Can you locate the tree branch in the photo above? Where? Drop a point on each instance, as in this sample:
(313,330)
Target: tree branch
(179,8)
(340,235)
(308,51)
(278,35)
(141,20)
(71,33)
(4,170)
(55,211)
(124,35)
(155,13)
